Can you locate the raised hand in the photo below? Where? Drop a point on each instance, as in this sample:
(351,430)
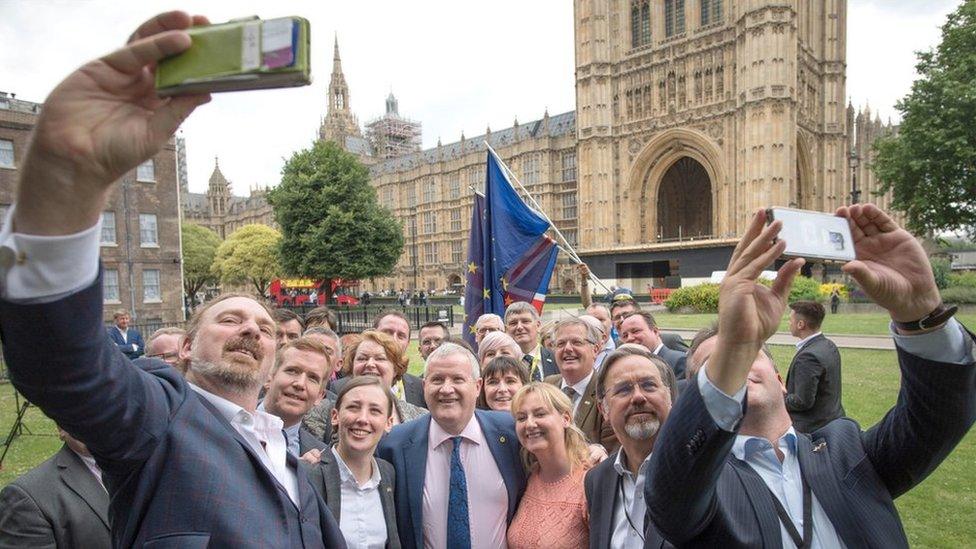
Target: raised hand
(102,121)
(891,265)
(749,312)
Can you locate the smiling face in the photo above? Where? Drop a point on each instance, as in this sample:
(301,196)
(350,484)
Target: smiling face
(289,330)
(499,390)
(620,311)
(487,326)
(122,321)
(451,391)
(524,329)
(233,348)
(574,354)
(634,329)
(363,417)
(430,338)
(637,401)
(297,385)
(397,328)
(540,428)
(371,360)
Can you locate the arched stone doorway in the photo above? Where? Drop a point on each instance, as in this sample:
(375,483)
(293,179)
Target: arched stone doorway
(569,286)
(454,282)
(684,201)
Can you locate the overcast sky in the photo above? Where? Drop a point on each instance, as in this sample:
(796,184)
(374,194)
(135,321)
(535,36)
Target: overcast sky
(452,67)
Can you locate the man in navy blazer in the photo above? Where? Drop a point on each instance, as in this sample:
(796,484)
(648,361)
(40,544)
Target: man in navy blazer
(421,452)
(730,470)
(640,327)
(188,462)
(128,339)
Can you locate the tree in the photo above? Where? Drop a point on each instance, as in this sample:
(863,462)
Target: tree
(931,162)
(199,248)
(249,255)
(331,224)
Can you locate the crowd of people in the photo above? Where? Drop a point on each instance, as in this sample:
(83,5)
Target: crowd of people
(262,428)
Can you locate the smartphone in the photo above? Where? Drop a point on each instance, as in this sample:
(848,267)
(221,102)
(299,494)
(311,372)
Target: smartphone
(814,235)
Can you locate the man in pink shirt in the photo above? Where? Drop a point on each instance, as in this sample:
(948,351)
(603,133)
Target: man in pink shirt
(459,475)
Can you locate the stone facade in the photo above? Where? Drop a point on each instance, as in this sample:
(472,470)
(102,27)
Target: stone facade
(140,250)
(221,211)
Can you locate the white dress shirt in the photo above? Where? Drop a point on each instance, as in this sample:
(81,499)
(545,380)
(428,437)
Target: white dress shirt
(804,341)
(628,503)
(92,466)
(605,351)
(361,518)
(579,389)
(783,479)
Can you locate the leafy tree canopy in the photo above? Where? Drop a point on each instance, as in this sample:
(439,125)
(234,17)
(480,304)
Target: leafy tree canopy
(199,249)
(249,255)
(332,226)
(931,162)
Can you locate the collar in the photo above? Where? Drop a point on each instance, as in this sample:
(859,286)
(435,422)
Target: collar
(579,387)
(291,431)
(472,432)
(537,352)
(620,465)
(346,476)
(236,415)
(804,341)
(657,350)
(745,446)
(610,345)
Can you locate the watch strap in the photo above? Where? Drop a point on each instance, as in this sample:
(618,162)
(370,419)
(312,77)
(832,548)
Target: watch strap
(940,315)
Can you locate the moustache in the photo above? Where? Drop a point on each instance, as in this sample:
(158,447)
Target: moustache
(249,345)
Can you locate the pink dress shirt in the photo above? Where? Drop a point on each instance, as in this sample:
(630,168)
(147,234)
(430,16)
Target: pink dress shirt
(487,497)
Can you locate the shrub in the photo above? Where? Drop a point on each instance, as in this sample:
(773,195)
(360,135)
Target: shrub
(804,289)
(827,289)
(962,280)
(941,270)
(702,298)
(957,295)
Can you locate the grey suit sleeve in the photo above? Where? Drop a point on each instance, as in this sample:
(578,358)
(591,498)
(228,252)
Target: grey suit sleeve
(22,524)
(804,377)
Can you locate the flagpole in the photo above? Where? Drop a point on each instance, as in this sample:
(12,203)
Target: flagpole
(568,248)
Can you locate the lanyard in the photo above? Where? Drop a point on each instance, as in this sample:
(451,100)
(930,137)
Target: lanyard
(623,503)
(784,517)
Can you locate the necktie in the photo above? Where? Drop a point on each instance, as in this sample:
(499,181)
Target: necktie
(458,528)
(571,393)
(534,373)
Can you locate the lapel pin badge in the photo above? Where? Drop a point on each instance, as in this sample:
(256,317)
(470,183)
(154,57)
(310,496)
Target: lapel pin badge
(820,446)
(501,439)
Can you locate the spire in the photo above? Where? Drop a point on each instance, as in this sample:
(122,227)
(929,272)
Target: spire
(336,61)
(391,104)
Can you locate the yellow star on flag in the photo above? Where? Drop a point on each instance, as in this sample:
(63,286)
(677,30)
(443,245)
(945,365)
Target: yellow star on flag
(472,268)
(504,284)
(472,330)
(487,293)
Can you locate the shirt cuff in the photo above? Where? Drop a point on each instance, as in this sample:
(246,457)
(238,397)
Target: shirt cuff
(946,344)
(726,410)
(42,269)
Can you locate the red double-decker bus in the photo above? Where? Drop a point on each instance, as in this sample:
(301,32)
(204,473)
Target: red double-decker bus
(299,291)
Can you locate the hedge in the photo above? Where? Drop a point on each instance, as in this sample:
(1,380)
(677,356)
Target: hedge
(703,298)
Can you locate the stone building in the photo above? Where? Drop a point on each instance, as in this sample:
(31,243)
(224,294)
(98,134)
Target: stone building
(223,212)
(690,115)
(140,247)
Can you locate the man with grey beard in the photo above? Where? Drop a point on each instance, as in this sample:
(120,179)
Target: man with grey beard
(635,389)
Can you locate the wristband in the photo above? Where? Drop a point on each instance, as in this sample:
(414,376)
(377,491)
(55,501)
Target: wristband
(937,317)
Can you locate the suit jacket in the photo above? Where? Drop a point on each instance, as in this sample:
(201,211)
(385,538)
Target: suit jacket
(406,449)
(813,385)
(699,495)
(307,441)
(59,503)
(178,473)
(132,337)
(326,481)
(675,359)
(674,341)
(602,491)
(549,367)
(588,417)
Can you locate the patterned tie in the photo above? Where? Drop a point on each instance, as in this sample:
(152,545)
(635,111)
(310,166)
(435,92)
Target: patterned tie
(458,529)
(534,373)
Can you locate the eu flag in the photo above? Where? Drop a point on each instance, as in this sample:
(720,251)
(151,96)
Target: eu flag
(516,248)
(474,304)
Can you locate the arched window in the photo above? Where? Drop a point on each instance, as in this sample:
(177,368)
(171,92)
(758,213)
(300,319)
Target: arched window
(640,23)
(674,17)
(711,11)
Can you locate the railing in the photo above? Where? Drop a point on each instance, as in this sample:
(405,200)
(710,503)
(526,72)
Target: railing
(352,319)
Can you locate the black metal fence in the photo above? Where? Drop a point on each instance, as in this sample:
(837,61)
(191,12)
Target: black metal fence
(355,319)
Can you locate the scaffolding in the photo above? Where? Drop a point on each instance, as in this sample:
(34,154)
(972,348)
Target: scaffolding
(392,135)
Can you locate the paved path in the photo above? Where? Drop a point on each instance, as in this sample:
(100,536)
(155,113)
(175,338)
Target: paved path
(883,342)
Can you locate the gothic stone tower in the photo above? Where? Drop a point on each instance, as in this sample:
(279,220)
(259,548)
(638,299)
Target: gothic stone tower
(339,121)
(692,114)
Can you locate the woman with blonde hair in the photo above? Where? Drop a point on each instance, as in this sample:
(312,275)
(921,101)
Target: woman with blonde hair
(552,512)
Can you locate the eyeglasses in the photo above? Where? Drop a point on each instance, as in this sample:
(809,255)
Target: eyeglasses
(625,389)
(559,344)
(166,357)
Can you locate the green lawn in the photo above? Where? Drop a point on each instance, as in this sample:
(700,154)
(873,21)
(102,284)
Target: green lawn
(853,324)
(941,512)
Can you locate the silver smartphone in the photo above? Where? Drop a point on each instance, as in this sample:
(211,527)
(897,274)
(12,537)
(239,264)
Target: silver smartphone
(814,235)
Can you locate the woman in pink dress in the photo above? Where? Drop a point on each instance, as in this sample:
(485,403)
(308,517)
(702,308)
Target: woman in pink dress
(552,513)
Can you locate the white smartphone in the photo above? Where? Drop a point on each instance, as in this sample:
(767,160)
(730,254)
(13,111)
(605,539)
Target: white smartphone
(814,235)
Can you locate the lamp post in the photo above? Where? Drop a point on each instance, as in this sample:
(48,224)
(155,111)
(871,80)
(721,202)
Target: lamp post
(855,191)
